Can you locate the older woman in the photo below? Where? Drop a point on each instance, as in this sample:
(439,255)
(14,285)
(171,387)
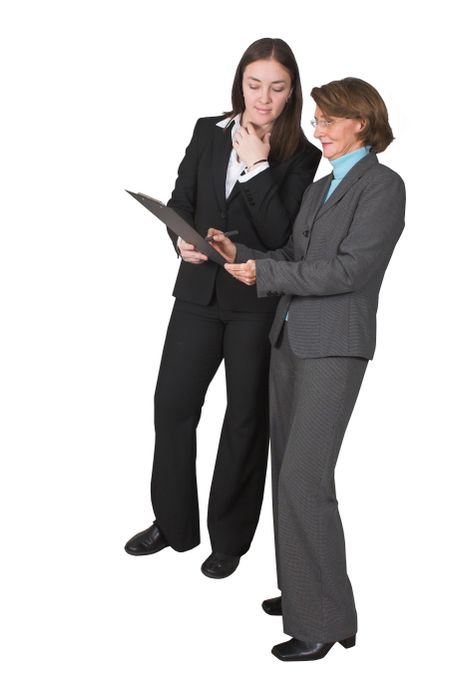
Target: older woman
(328,276)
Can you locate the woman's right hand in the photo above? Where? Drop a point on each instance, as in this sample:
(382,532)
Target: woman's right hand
(222,244)
(189,253)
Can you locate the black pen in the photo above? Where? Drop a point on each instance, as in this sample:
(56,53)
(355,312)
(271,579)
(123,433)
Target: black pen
(230,233)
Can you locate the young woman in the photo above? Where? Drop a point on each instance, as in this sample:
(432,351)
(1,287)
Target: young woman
(246,170)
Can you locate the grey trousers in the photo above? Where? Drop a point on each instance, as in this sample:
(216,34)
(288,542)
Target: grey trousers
(311,403)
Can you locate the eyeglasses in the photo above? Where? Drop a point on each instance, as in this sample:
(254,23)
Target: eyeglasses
(324,124)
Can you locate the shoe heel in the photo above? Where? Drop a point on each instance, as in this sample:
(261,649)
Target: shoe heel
(348,642)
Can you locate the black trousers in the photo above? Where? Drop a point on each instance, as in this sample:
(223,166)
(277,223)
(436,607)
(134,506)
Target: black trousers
(198,338)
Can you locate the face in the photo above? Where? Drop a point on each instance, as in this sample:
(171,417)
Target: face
(340,137)
(266,85)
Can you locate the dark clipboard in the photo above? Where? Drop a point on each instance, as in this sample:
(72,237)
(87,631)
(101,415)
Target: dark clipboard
(176,223)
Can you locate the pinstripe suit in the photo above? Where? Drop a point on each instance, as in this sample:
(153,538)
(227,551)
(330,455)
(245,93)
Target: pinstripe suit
(328,276)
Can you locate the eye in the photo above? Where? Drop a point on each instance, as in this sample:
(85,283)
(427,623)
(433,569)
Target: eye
(278,91)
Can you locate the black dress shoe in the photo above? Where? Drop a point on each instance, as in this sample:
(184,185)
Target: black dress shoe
(149,541)
(272,606)
(220,565)
(297,650)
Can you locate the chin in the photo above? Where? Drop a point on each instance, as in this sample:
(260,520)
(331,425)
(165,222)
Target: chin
(260,120)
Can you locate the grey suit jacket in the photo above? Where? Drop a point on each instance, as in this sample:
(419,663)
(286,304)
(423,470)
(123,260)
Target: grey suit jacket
(330,272)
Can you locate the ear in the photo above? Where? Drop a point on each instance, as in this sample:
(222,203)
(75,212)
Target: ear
(362,124)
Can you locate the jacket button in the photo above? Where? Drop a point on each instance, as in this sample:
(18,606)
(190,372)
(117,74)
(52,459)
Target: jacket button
(306,233)
(223,215)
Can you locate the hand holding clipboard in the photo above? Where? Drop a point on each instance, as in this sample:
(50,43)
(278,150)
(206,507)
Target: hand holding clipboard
(178,225)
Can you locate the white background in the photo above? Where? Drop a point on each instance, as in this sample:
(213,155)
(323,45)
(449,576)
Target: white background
(101,96)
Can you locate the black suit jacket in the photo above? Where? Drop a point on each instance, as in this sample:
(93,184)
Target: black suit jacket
(262,209)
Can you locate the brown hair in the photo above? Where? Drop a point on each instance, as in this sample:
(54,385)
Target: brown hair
(355,99)
(287,135)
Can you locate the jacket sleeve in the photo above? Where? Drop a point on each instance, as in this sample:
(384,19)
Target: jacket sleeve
(366,250)
(184,193)
(273,207)
(244,253)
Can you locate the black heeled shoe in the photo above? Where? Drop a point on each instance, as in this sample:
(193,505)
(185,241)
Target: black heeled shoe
(272,606)
(298,650)
(149,541)
(220,565)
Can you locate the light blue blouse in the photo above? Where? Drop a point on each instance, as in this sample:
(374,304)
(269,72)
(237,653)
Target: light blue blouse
(343,164)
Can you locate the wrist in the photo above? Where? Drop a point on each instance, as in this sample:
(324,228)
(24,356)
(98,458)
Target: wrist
(251,166)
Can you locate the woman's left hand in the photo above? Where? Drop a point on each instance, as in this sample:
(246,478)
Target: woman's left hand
(243,272)
(249,147)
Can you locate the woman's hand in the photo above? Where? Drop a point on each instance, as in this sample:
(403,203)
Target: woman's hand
(244,272)
(222,244)
(249,146)
(189,253)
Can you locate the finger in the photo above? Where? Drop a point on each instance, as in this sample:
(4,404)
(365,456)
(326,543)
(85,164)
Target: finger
(196,255)
(241,279)
(187,247)
(236,267)
(195,259)
(217,234)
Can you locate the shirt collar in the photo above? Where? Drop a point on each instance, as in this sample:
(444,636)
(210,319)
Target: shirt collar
(342,165)
(228,121)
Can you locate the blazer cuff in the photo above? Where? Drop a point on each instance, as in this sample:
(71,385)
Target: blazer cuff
(259,168)
(265,280)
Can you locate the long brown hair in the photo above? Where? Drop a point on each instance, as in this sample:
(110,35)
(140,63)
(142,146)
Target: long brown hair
(356,99)
(287,135)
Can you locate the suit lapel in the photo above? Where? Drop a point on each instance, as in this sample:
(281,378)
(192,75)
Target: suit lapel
(221,156)
(347,182)
(322,188)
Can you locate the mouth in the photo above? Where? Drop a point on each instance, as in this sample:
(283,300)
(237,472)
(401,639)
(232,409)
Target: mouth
(263,111)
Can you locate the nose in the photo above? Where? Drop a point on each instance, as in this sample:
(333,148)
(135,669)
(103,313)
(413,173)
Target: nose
(265,95)
(319,131)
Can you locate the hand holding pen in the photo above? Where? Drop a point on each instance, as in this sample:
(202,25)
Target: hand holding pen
(191,254)
(221,242)
(230,233)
